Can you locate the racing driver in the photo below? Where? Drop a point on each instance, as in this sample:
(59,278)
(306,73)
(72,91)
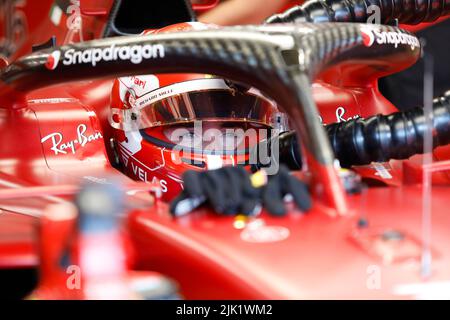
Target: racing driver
(165,124)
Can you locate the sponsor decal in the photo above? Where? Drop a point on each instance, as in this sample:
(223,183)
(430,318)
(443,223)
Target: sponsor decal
(52,101)
(368,37)
(178,88)
(61,147)
(138,81)
(142,175)
(140,85)
(341,116)
(395,38)
(340,113)
(381,170)
(140,170)
(136,54)
(258,232)
(265,234)
(97,180)
(53,60)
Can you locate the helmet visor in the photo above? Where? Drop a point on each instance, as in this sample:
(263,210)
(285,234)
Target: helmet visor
(209,99)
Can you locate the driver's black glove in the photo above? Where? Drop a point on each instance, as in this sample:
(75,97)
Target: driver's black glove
(229,191)
(282,186)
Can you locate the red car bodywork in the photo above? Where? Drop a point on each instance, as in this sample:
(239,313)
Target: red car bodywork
(317,255)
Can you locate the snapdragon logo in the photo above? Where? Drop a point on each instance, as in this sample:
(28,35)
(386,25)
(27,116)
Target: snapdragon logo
(53,60)
(92,56)
(370,36)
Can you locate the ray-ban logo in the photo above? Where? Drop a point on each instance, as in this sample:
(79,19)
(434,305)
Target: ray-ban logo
(59,146)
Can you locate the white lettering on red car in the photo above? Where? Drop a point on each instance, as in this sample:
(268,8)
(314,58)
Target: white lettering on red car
(136,54)
(340,113)
(372,35)
(61,147)
(138,81)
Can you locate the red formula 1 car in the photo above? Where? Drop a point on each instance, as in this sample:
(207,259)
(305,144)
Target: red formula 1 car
(56,135)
